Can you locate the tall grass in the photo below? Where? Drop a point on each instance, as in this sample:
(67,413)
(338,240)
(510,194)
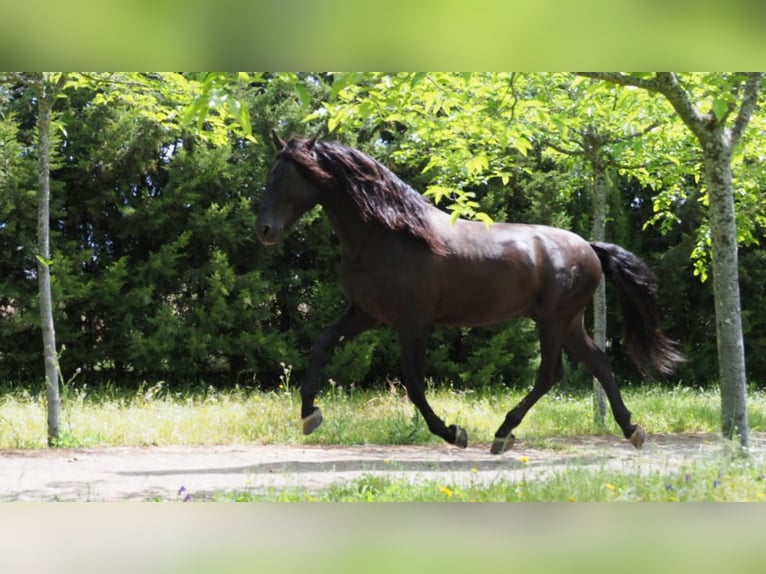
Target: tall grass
(157,415)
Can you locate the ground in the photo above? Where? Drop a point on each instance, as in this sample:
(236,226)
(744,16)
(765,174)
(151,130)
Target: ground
(173,473)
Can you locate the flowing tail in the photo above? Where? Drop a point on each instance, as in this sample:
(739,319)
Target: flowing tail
(647,345)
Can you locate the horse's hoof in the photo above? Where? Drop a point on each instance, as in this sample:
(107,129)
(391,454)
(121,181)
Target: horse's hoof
(638,437)
(311,422)
(461,437)
(500,445)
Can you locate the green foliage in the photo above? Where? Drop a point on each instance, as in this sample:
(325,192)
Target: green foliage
(157,274)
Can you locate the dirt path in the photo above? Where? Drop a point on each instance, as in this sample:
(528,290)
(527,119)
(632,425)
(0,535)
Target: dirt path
(172,473)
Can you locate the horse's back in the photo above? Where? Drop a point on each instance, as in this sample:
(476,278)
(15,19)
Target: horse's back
(511,269)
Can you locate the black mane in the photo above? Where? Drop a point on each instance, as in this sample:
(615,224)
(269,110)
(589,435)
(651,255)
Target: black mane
(378,194)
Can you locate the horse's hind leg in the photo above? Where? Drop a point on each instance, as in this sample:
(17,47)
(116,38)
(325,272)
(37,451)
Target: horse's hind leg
(549,372)
(413,348)
(352,322)
(582,348)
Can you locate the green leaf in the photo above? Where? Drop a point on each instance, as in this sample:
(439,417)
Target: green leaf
(342,81)
(522,145)
(196,109)
(417,78)
(60,127)
(303,95)
(477,164)
(720,109)
(438,192)
(483,217)
(244,121)
(43,261)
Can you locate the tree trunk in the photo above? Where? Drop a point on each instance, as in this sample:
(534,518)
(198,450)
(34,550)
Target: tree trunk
(45,107)
(598,233)
(717,143)
(731,353)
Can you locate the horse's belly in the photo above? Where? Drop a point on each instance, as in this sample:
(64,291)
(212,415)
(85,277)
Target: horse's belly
(481,311)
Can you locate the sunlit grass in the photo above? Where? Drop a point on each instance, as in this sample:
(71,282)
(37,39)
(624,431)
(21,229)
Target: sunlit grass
(157,415)
(720,478)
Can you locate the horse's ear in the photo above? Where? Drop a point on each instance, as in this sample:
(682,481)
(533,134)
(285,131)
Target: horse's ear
(279,143)
(313,139)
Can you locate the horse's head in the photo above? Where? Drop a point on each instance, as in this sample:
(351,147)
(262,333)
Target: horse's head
(289,193)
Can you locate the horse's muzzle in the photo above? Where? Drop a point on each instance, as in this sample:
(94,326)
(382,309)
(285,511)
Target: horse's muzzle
(269,234)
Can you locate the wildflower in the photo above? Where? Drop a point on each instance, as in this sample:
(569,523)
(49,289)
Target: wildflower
(572,499)
(187,498)
(386,461)
(446,491)
(716,483)
(524,459)
(610,486)
(668,487)
(181,490)
(474,469)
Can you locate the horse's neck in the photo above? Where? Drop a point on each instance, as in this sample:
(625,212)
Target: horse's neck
(352,231)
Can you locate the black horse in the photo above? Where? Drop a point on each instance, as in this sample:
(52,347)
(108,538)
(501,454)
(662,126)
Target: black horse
(406,265)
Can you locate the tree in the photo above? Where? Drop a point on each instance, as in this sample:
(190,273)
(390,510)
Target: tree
(729,96)
(46,88)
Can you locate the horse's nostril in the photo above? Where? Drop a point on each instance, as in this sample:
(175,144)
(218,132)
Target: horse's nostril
(268,234)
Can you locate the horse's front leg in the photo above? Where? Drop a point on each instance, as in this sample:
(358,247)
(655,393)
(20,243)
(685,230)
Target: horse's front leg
(413,349)
(352,322)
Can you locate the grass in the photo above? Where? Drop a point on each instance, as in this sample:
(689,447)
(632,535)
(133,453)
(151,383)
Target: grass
(716,480)
(156,415)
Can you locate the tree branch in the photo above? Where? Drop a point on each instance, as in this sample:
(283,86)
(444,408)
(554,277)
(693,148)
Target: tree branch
(667,84)
(638,134)
(623,79)
(565,151)
(746,108)
(631,166)
(697,122)
(513,93)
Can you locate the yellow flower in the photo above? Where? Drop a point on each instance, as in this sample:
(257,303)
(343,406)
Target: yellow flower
(524,459)
(610,486)
(572,499)
(446,490)
(474,469)
(386,461)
